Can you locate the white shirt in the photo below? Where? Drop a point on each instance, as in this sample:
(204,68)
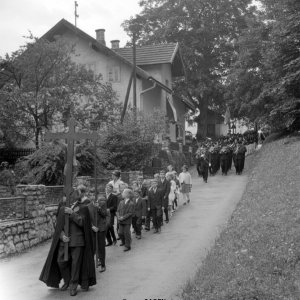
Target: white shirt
(116,185)
(126,200)
(185,178)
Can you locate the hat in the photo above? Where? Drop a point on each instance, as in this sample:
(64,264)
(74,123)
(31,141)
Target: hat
(116,173)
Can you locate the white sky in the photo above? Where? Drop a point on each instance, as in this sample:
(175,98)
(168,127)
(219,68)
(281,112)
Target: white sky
(17,17)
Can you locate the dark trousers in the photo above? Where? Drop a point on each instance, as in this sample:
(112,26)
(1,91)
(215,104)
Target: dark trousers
(101,247)
(156,217)
(239,165)
(137,225)
(125,234)
(148,217)
(199,169)
(110,234)
(166,211)
(70,269)
(224,166)
(174,204)
(230,161)
(205,174)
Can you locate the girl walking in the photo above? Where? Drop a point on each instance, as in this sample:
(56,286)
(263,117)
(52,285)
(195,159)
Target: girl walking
(185,181)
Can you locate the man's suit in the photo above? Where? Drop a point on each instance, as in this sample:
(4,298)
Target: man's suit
(99,213)
(140,211)
(144,190)
(144,195)
(165,186)
(112,205)
(124,214)
(155,204)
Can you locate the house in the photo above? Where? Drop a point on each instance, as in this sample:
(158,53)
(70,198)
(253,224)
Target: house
(157,66)
(215,125)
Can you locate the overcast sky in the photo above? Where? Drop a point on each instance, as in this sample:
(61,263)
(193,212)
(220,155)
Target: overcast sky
(17,17)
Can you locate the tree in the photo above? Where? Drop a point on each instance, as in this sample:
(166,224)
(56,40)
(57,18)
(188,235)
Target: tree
(46,165)
(129,145)
(265,82)
(207,31)
(42,87)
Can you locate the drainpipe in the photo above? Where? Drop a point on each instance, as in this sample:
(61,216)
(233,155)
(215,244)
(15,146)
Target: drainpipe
(147,90)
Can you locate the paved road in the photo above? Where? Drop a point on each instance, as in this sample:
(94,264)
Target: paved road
(158,265)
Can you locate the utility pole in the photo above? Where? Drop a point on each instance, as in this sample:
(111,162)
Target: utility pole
(134,72)
(75,13)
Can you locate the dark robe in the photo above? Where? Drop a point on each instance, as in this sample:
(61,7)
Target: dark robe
(51,274)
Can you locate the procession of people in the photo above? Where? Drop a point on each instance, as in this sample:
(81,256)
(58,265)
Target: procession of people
(126,211)
(94,225)
(215,155)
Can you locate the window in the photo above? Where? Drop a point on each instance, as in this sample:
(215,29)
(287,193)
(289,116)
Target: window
(114,74)
(91,67)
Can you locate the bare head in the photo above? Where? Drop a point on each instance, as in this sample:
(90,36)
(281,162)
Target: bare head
(127,194)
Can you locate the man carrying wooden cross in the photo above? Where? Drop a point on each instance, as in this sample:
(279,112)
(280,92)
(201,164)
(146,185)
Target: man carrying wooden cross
(71,252)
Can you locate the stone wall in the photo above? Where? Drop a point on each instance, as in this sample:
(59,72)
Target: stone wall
(11,207)
(19,235)
(5,191)
(39,220)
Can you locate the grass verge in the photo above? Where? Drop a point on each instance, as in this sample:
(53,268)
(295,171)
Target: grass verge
(257,256)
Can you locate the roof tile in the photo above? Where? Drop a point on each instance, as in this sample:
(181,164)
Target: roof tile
(150,54)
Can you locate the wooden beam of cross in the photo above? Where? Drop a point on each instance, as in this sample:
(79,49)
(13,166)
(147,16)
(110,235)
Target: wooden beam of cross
(71,136)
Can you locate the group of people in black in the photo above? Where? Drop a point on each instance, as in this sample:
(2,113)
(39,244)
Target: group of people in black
(213,155)
(95,225)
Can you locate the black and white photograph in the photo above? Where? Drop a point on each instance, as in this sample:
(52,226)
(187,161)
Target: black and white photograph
(150,149)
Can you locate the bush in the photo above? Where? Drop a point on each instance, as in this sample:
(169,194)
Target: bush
(129,145)
(46,165)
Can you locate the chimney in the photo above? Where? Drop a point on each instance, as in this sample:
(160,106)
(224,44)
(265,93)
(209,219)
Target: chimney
(100,37)
(115,44)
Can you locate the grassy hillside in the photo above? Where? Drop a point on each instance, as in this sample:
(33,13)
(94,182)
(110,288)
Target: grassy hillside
(258,255)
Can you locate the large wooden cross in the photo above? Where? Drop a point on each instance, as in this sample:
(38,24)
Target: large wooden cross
(71,136)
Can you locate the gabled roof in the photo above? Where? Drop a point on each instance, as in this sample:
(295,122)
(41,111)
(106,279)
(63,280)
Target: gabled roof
(167,53)
(63,25)
(171,51)
(151,54)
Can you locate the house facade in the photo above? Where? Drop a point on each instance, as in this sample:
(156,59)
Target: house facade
(156,68)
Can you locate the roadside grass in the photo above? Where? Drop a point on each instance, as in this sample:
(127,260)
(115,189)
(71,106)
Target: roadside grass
(257,256)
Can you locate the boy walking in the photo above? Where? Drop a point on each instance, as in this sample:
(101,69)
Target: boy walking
(155,205)
(124,215)
(140,211)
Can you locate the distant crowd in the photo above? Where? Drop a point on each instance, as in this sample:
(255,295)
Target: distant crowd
(213,155)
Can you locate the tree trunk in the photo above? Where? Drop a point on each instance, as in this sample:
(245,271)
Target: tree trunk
(37,134)
(202,119)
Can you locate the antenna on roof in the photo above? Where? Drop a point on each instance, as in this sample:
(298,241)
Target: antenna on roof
(75,13)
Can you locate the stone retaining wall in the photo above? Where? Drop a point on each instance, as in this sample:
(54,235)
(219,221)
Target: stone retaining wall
(5,191)
(39,220)
(19,235)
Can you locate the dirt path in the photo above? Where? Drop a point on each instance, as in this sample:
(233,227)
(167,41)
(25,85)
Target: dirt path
(158,265)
